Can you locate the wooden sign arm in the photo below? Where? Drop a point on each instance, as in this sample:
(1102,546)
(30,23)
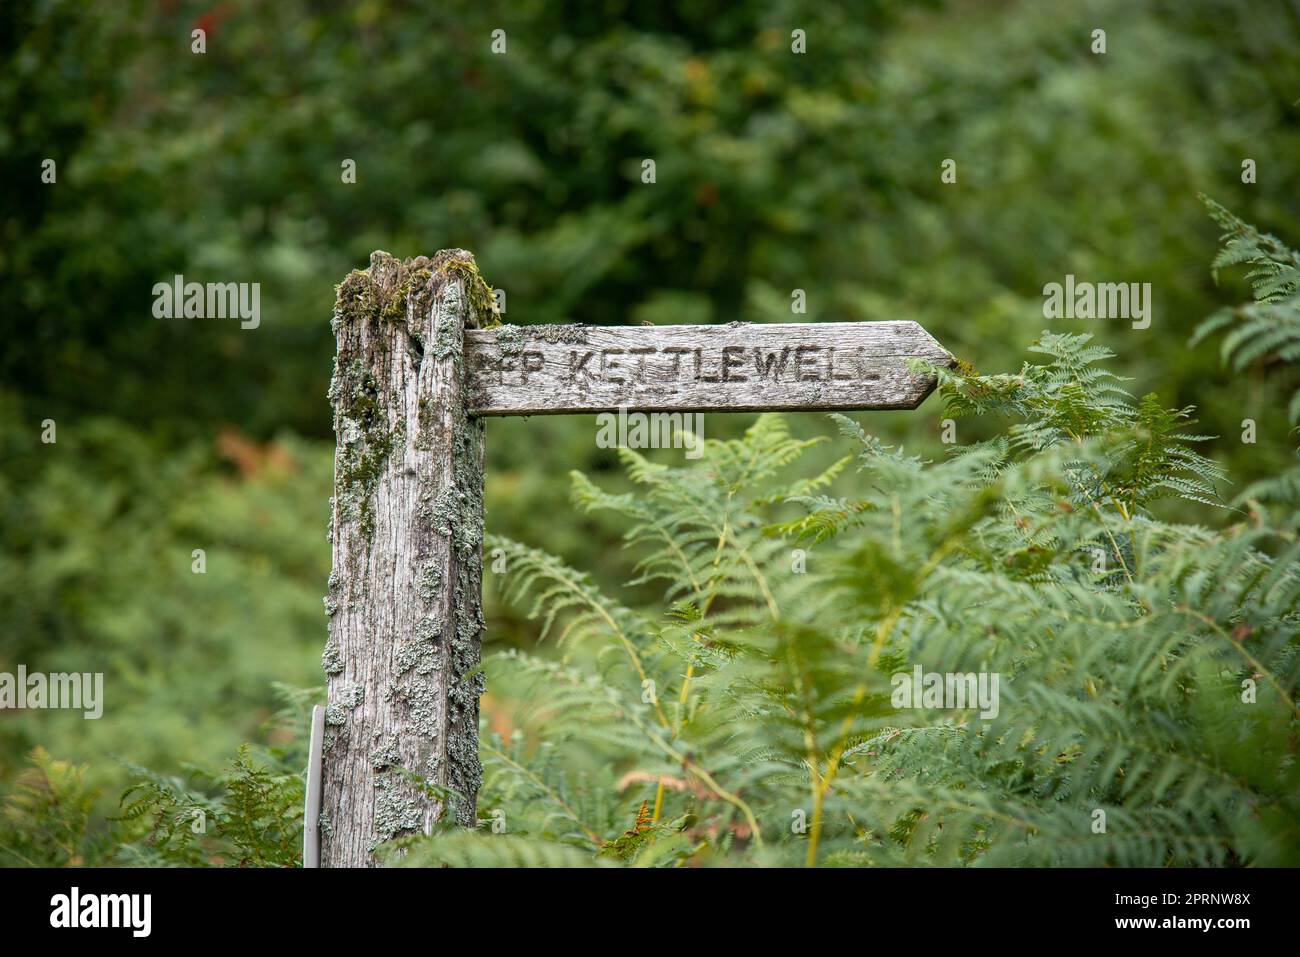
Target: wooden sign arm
(549,370)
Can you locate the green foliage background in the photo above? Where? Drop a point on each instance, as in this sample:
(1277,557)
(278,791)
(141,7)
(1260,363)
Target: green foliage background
(775,172)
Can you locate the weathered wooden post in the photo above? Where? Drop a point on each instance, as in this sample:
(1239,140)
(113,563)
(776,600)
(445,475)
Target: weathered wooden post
(407,529)
(415,374)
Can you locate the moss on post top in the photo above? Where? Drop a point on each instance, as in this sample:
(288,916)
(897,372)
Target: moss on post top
(380,291)
(460,263)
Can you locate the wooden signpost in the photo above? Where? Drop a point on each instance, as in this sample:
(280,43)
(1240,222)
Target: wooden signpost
(415,376)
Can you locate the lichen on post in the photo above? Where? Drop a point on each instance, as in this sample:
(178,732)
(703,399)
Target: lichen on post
(404,606)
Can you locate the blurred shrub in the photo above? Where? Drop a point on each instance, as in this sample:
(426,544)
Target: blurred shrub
(97,534)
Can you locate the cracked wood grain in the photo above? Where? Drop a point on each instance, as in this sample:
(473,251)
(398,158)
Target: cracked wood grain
(401,722)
